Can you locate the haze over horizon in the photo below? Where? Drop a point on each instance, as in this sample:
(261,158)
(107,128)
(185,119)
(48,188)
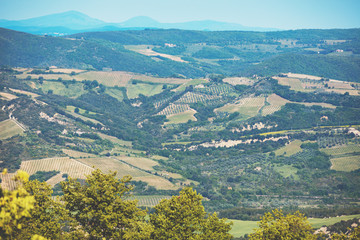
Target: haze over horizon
(281,14)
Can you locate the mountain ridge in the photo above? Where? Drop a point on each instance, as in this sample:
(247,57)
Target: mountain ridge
(75,22)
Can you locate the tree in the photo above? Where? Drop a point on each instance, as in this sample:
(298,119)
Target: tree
(353,234)
(76,110)
(184,217)
(15,207)
(274,225)
(49,218)
(99,206)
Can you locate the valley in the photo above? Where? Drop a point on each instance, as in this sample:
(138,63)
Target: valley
(252,121)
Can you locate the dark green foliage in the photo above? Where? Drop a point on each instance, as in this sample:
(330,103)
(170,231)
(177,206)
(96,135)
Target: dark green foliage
(43,176)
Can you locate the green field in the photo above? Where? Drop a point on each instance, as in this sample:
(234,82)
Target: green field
(115,92)
(8,129)
(73,90)
(248,107)
(287,171)
(240,228)
(133,90)
(181,117)
(346,164)
(290,149)
(340,150)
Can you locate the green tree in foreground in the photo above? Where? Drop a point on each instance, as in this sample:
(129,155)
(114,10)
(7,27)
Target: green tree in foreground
(184,217)
(99,206)
(275,225)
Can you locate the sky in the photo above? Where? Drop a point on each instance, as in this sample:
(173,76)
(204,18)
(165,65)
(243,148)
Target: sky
(281,14)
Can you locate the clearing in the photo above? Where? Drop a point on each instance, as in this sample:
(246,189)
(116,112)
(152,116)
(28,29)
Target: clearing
(8,129)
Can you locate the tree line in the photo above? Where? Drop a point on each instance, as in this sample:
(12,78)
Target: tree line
(100,209)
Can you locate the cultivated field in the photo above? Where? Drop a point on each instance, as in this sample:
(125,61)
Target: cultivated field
(249,107)
(133,90)
(147,50)
(149,201)
(174,109)
(191,97)
(73,168)
(115,140)
(193,82)
(287,171)
(7,96)
(181,117)
(239,81)
(343,149)
(240,228)
(33,95)
(8,129)
(289,149)
(346,164)
(140,162)
(58,88)
(276,102)
(77,154)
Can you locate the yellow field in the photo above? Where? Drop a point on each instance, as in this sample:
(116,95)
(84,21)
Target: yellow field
(140,162)
(77,154)
(147,50)
(158,182)
(7,96)
(8,129)
(111,164)
(297,75)
(73,168)
(346,164)
(181,117)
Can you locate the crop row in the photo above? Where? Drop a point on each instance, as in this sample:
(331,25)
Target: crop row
(191,97)
(216,90)
(174,109)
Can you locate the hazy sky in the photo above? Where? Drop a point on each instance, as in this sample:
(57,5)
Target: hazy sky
(282,14)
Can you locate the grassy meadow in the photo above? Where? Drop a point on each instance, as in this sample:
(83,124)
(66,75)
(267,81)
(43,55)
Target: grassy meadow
(8,129)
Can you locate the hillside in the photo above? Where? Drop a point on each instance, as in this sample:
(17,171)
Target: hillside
(241,142)
(327,53)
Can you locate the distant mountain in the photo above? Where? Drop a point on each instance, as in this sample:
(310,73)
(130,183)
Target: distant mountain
(72,22)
